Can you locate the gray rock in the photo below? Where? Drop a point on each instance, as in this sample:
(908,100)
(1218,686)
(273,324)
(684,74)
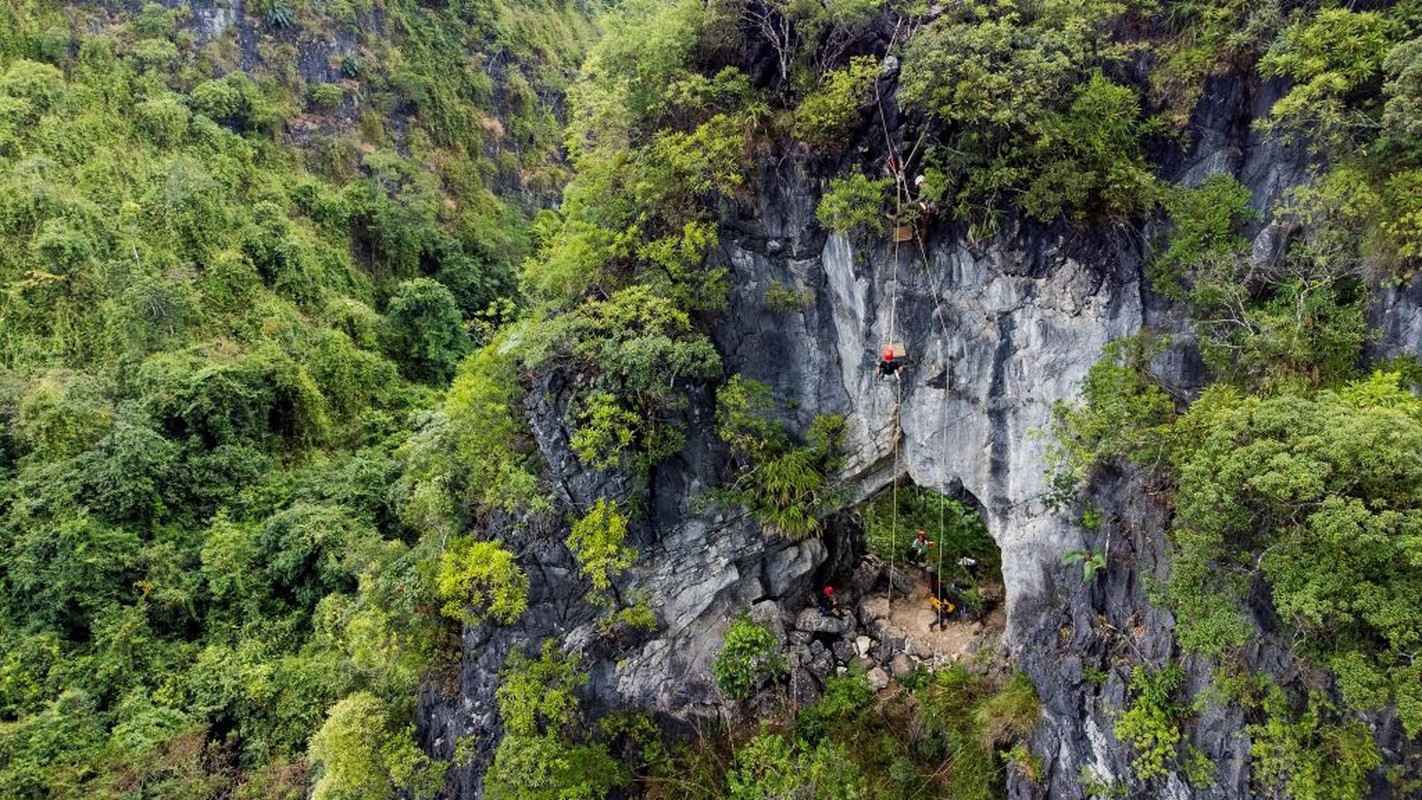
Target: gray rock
(901,666)
(878,679)
(812,621)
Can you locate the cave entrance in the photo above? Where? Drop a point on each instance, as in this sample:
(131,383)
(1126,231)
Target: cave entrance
(944,596)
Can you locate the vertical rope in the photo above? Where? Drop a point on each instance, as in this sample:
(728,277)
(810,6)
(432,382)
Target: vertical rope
(896,427)
(894,514)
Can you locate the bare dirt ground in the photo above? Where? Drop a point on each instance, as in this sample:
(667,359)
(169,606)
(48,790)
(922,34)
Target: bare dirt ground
(912,615)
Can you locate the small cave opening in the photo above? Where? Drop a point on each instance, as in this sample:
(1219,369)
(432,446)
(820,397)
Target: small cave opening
(942,589)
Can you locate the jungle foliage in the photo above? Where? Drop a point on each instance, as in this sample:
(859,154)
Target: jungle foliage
(1291,476)
(232,497)
(270,295)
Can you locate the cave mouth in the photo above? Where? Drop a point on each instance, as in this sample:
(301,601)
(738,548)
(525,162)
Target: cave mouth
(962,549)
(946,594)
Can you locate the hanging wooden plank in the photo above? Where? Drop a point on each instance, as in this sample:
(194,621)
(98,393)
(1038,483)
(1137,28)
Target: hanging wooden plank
(903,233)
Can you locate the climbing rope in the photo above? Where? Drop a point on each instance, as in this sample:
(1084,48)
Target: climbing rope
(894,504)
(897,168)
(899,393)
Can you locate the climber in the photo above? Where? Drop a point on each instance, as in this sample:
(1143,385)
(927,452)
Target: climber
(941,610)
(825,600)
(920,547)
(889,365)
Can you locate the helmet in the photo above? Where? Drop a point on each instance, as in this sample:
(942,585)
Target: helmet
(888,354)
(829,590)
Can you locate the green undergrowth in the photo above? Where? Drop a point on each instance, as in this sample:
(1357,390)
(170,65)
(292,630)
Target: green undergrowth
(955,734)
(893,519)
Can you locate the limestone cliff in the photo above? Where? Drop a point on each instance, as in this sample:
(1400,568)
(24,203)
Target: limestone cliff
(997,332)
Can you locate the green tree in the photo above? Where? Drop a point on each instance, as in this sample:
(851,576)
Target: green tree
(426,332)
(1246,467)
(541,756)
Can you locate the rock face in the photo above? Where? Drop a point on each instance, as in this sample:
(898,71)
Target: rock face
(996,333)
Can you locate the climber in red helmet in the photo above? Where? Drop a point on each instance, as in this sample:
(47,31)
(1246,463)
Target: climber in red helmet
(889,364)
(825,600)
(919,548)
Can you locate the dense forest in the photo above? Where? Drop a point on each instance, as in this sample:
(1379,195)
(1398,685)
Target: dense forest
(281,280)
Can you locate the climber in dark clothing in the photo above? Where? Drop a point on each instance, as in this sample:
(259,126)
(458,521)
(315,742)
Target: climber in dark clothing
(889,365)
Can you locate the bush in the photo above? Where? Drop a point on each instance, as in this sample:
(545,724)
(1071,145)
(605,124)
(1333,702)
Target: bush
(43,85)
(480,581)
(769,766)
(1328,56)
(749,657)
(325,96)
(164,118)
(829,115)
(598,542)
(1151,725)
(855,203)
(235,101)
(1318,757)
(542,755)
(788,487)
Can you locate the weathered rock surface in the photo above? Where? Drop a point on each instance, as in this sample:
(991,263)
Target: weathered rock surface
(997,333)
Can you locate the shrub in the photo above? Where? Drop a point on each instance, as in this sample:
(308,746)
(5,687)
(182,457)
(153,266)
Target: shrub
(770,766)
(275,13)
(358,755)
(1318,757)
(41,84)
(164,118)
(788,487)
(749,657)
(855,203)
(827,116)
(598,542)
(325,96)
(783,298)
(1151,725)
(542,755)
(606,431)
(1328,56)
(480,581)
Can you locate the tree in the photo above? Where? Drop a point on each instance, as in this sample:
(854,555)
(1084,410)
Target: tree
(359,757)
(1320,495)
(426,334)
(541,756)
